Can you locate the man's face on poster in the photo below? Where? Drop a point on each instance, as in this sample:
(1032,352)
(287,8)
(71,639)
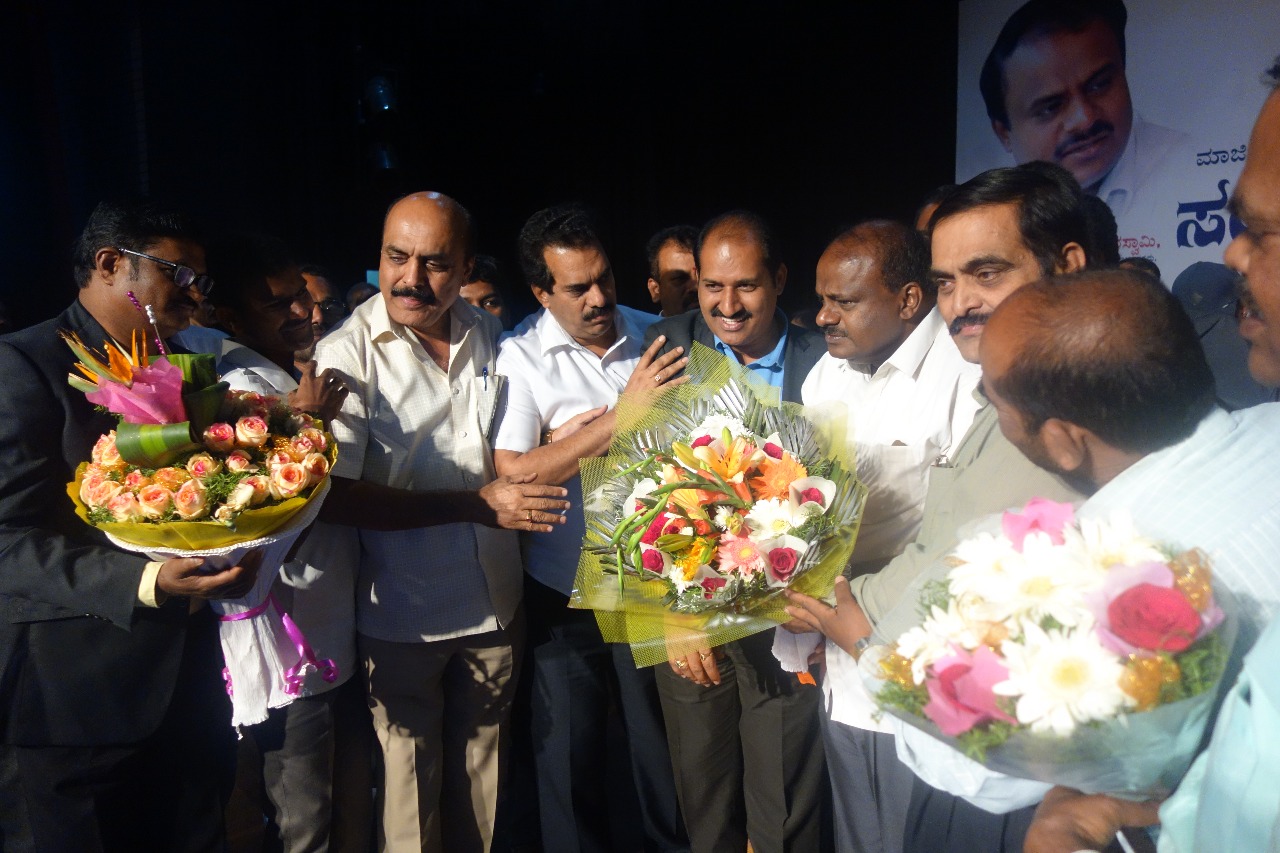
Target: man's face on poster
(1067,100)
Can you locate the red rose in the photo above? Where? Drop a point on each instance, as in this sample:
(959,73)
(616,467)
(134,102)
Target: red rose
(702,441)
(1154,617)
(772,450)
(814,495)
(710,585)
(655,529)
(652,560)
(782,562)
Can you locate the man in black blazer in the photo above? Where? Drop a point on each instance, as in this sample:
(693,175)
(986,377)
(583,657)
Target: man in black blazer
(744,734)
(111,701)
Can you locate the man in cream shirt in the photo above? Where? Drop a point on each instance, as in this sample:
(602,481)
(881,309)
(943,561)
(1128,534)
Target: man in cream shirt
(909,398)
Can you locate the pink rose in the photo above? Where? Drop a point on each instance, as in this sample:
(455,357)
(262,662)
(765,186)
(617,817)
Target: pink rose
(299,447)
(239,462)
(261,488)
(316,437)
(772,450)
(105,453)
(288,481)
(191,500)
(93,475)
(960,695)
(102,492)
(782,562)
(710,585)
(317,466)
(135,480)
(220,437)
(1154,617)
(701,441)
(812,496)
(277,458)
(251,431)
(202,466)
(124,507)
(1038,516)
(155,501)
(241,497)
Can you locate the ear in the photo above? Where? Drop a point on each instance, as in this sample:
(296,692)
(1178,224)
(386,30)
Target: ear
(1066,444)
(1002,133)
(654,293)
(109,262)
(910,298)
(780,280)
(469,265)
(1072,258)
(543,296)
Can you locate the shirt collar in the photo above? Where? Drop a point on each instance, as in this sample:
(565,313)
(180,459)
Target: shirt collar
(552,336)
(911,353)
(1117,187)
(772,360)
(462,318)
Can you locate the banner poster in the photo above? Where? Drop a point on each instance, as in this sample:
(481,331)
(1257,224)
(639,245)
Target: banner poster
(1148,103)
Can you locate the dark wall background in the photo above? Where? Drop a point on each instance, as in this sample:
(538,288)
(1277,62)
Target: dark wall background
(256,115)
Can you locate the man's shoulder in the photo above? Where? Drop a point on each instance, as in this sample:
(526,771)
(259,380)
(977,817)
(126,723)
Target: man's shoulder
(805,347)
(680,330)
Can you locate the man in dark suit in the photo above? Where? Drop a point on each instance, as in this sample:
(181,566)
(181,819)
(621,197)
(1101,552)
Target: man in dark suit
(111,702)
(744,734)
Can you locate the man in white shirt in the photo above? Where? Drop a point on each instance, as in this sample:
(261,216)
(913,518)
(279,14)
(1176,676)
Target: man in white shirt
(437,607)
(575,356)
(909,398)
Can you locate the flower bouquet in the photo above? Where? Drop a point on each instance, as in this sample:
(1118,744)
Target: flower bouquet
(194,469)
(1068,651)
(713,498)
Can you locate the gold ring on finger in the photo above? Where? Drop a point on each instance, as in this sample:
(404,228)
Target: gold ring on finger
(704,656)
(681,664)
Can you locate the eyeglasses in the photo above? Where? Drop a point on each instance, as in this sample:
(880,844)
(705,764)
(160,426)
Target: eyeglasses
(184,277)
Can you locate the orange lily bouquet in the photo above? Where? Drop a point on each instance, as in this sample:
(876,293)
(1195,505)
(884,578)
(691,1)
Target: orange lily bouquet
(196,470)
(713,500)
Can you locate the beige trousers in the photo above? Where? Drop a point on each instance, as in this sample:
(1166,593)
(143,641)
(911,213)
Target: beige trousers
(440,710)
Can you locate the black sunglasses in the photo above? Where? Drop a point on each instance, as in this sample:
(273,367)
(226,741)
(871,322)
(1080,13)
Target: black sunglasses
(184,277)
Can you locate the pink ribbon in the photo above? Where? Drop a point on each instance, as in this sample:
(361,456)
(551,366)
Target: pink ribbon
(294,675)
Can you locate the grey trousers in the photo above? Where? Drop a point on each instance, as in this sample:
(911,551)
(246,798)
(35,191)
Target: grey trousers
(870,788)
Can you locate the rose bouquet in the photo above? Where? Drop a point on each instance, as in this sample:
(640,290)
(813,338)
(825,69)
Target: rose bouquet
(1069,651)
(712,499)
(194,469)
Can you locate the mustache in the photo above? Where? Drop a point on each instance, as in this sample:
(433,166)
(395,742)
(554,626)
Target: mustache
(1246,304)
(598,313)
(959,323)
(738,316)
(1097,130)
(423,294)
(834,332)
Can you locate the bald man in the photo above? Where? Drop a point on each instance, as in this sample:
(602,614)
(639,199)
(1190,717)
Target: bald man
(437,601)
(908,395)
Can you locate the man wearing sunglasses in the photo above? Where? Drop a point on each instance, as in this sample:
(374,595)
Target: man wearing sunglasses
(111,701)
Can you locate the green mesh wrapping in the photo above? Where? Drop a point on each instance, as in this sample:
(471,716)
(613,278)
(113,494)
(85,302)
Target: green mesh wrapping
(637,610)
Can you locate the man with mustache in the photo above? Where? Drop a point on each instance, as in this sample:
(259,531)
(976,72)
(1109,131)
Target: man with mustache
(565,366)
(991,236)
(909,399)
(744,735)
(1055,89)
(110,694)
(438,621)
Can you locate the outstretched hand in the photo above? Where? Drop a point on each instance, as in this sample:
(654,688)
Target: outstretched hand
(515,502)
(184,576)
(1067,820)
(844,624)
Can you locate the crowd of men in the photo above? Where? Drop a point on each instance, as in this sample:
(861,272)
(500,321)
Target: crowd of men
(991,353)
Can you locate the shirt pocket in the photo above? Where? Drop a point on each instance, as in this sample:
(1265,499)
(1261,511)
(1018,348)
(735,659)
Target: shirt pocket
(488,390)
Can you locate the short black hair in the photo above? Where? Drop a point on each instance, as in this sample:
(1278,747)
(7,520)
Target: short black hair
(1103,248)
(1272,75)
(486,268)
(742,221)
(1038,18)
(684,236)
(1051,211)
(1142,264)
(934,197)
(134,224)
(1111,351)
(901,251)
(239,262)
(571,226)
(315,270)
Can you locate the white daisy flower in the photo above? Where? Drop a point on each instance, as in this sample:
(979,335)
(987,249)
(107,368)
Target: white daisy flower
(769,518)
(715,424)
(1116,542)
(1062,678)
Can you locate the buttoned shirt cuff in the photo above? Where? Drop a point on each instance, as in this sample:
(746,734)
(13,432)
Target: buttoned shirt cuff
(149,595)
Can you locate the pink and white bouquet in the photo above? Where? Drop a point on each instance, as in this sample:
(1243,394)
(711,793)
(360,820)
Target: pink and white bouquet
(1071,651)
